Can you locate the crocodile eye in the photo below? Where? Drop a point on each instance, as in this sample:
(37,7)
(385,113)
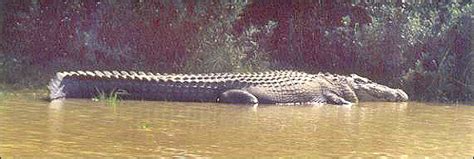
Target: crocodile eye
(360,80)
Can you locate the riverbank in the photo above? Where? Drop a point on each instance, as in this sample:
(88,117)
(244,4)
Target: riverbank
(423,48)
(8,91)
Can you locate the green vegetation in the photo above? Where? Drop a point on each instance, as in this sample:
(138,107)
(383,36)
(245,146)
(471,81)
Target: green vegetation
(444,72)
(215,49)
(145,125)
(112,99)
(424,48)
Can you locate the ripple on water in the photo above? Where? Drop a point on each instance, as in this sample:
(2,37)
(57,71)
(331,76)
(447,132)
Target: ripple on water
(153,129)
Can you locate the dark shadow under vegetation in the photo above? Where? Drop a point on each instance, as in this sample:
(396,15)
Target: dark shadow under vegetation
(426,49)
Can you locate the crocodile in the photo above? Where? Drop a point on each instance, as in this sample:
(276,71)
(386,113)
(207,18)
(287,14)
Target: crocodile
(271,87)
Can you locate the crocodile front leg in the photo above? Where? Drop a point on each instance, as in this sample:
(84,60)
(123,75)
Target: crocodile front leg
(237,96)
(333,98)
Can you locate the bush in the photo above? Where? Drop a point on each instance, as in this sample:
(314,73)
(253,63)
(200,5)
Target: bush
(217,49)
(423,48)
(443,68)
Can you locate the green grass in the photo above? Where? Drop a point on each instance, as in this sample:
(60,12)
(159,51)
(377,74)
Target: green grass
(145,125)
(112,99)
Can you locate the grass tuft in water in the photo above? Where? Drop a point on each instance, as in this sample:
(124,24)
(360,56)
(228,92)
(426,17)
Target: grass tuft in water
(145,125)
(111,99)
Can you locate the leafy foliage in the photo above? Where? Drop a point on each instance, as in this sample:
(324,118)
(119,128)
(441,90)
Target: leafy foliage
(424,48)
(217,49)
(443,67)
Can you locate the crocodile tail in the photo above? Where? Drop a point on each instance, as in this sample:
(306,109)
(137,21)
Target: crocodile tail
(55,87)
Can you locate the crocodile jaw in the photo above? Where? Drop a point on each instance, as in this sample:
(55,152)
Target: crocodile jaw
(376,92)
(366,90)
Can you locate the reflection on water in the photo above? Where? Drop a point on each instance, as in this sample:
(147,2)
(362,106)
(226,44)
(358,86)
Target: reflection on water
(134,128)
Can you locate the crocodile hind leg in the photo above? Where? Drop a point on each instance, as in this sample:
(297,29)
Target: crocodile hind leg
(237,96)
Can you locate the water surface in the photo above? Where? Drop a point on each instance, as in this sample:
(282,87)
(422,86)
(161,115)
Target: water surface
(33,127)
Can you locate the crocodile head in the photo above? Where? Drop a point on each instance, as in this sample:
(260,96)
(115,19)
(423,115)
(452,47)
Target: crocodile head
(366,90)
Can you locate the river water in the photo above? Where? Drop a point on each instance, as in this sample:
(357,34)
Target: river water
(36,128)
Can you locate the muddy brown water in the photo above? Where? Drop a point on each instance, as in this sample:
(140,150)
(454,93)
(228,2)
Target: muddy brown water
(36,128)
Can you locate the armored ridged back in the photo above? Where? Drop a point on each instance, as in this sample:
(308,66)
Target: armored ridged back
(213,82)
